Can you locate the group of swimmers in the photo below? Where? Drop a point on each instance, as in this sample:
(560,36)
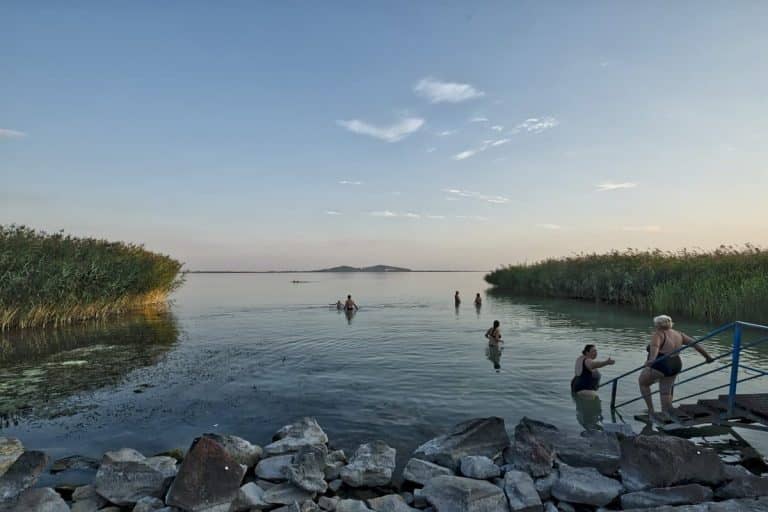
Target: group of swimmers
(347,305)
(457,300)
(662,366)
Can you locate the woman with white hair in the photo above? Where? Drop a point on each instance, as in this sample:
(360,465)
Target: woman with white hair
(661,367)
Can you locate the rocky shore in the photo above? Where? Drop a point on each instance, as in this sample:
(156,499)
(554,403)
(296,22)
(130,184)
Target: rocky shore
(476,467)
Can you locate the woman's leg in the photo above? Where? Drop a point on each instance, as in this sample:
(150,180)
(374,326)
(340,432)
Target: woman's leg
(645,380)
(666,387)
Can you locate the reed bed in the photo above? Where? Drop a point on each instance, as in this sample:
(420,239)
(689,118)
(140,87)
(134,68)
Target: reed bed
(729,283)
(56,279)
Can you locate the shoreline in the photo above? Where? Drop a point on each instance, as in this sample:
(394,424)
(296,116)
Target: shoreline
(477,466)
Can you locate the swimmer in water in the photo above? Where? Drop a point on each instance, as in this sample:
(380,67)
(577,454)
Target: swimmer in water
(350,305)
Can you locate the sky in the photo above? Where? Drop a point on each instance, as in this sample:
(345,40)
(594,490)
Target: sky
(432,135)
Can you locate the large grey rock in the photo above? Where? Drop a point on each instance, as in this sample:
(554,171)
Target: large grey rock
(335,460)
(293,507)
(86,500)
(532,450)
(586,486)
(665,461)
(390,503)
(23,473)
(307,469)
(594,449)
(327,503)
(125,476)
(10,450)
(351,506)
(544,485)
(733,471)
(478,466)
(285,494)
(290,438)
(459,494)
(521,492)
(42,499)
(744,487)
(680,495)
(274,468)
(742,505)
(148,504)
(550,507)
(372,465)
(421,471)
(481,436)
(209,478)
(238,448)
(249,497)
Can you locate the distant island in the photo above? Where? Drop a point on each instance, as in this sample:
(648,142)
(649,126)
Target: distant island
(374,268)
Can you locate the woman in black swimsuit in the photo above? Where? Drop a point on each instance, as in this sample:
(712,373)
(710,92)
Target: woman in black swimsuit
(587,377)
(662,367)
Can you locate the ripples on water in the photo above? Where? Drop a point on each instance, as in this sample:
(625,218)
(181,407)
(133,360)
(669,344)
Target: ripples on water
(246,354)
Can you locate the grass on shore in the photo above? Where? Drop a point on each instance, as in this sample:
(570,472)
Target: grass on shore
(730,283)
(55,279)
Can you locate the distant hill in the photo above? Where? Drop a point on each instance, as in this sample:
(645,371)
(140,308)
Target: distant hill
(374,268)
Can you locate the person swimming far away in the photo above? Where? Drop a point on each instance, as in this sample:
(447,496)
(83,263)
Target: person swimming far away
(456,299)
(494,334)
(350,305)
(478,300)
(586,378)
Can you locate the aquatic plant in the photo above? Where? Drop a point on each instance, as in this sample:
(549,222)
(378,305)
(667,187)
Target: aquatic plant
(725,284)
(54,279)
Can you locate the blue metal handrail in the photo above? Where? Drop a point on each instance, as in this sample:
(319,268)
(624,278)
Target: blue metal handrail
(734,365)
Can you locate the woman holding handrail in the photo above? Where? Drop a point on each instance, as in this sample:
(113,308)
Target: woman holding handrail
(664,363)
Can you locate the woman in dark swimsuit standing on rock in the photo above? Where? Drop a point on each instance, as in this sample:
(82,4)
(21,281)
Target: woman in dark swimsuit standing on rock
(661,367)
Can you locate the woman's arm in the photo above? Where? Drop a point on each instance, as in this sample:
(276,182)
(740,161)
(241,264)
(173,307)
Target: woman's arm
(654,352)
(687,340)
(594,365)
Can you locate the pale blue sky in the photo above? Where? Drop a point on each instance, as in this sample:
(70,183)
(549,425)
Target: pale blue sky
(221,132)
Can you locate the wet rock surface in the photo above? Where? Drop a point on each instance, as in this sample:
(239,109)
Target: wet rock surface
(459,494)
(125,476)
(586,486)
(372,465)
(479,467)
(290,438)
(421,471)
(482,436)
(521,492)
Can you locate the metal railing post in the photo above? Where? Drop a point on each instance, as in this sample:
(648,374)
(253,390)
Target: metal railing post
(613,393)
(734,368)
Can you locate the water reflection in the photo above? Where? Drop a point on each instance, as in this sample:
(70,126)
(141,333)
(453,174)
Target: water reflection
(350,314)
(493,353)
(41,368)
(589,411)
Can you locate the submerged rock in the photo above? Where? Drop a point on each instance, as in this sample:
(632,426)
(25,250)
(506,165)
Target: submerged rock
(241,450)
(665,461)
(680,495)
(126,476)
(208,477)
(23,473)
(479,467)
(481,436)
(420,471)
(372,465)
(586,486)
(10,450)
(42,499)
(521,492)
(459,494)
(290,438)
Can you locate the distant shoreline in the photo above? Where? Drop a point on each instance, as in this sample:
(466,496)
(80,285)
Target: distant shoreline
(324,271)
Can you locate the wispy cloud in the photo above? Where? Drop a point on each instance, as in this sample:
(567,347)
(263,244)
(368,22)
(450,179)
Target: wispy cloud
(391,133)
(390,214)
(6,133)
(431,150)
(384,213)
(607,186)
(412,215)
(479,218)
(465,154)
(332,212)
(478,119)
(446,92)
(497,127)
(456,193)
(536,125)
(550,226)
(436,217)
(347,182)
(482,147)
(446,133)
(645,229)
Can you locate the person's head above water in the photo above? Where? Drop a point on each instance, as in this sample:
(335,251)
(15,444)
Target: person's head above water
(590,351)
(349,296)
(496,324)
(663,322)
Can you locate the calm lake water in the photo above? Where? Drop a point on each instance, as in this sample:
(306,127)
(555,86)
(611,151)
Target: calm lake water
(248,353)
